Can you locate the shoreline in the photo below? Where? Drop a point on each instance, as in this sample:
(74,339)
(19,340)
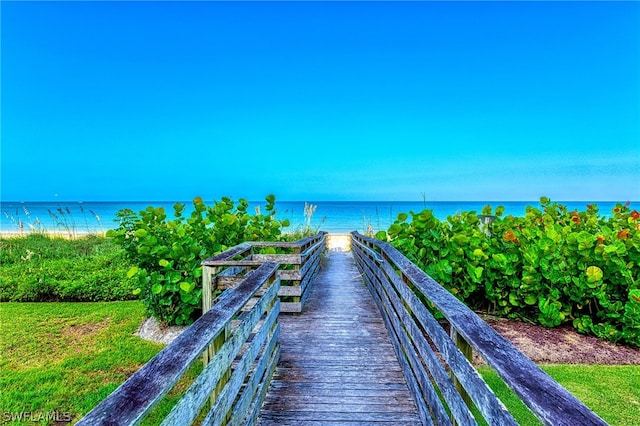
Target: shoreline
(25,233)
(335,235)
(336,241)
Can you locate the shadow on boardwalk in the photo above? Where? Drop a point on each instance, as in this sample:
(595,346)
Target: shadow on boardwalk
(337,363)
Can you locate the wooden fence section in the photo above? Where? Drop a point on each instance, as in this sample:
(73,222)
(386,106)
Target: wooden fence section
(337,363)
(299,264)
(436,363)
(244,328)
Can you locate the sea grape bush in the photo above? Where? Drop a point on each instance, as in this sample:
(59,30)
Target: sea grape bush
(551,266)
(168,252)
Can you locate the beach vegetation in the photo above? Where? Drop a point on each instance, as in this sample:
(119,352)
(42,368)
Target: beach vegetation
(62,222)
(306,229)
(551,266)
(167,253)
(40,268)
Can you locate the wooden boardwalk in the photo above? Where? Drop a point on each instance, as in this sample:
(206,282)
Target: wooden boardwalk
(337,363)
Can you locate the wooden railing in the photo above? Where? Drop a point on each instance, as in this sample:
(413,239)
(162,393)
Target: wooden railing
(299,264)
(437,363)
(243,327)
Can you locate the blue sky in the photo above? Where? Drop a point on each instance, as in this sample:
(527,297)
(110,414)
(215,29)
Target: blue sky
(320,100)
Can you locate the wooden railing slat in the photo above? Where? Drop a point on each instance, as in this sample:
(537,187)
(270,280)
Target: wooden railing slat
(294,259)
(251,389)
(234,251)
(224,401)
(426,401)
(130,403)
(484,398)
(189,406)
(414,338)
(254,410)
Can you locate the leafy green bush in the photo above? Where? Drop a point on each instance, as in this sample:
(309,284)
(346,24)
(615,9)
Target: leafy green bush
(39,268)
(552,266)
(168,253)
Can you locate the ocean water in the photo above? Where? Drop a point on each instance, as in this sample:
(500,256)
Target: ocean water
(331,216)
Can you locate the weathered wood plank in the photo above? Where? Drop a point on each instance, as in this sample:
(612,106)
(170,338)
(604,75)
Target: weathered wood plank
(241,249)
(337,362)
(333,415)
(355,389)
(275,244)
(291,307)
(291,275)
(368,422)
(372,399)
(225,283)
(313,250)
(239,262)
(285,259)
(306,242)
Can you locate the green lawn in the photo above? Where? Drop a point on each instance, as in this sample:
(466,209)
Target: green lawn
(613,392)
(66,357)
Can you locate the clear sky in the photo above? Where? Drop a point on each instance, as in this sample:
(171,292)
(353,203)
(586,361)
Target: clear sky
(320,100)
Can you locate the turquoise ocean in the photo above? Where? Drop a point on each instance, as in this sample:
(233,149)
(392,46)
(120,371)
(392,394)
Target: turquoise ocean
(331,216)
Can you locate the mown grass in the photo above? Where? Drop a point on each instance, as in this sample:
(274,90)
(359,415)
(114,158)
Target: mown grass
(67,357)
(612,392)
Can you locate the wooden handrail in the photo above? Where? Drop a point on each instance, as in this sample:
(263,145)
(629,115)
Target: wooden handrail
(398,287)
(133,400)
(229,254)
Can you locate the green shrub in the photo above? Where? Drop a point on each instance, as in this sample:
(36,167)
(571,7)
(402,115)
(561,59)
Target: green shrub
(168,253)
(552,266)
(39,268)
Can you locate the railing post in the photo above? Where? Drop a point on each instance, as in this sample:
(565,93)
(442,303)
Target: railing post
(208,279)
(207,303)
(296,267)
(213,348)
(467,351)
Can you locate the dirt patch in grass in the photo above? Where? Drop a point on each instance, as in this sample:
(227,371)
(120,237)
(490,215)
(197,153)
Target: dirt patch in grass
(561,345)
(79,331)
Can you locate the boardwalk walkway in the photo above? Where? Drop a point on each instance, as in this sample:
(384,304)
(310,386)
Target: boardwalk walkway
(337,363)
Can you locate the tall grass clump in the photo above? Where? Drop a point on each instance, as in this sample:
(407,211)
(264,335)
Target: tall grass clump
(306,229)
(62,218)
(43,268)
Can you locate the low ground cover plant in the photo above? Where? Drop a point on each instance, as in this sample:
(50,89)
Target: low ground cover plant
(167,253)
(41,268)
(551,266)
